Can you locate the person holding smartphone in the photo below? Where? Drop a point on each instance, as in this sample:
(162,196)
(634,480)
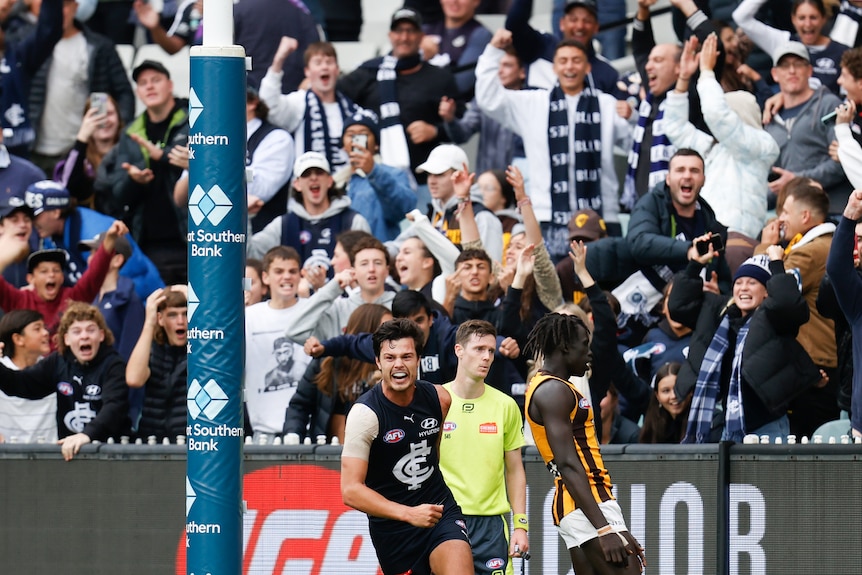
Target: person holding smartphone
(381,193)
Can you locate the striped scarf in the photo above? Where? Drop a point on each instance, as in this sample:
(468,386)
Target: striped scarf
(393,141)
(734,414)
(317,135)
(660,152)
(587,155)
(845,30)
(708,386)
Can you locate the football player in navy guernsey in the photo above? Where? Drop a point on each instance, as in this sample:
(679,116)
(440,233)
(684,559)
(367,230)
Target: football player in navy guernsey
(390,464)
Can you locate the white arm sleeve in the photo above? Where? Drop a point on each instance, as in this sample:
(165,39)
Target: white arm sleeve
(360,430)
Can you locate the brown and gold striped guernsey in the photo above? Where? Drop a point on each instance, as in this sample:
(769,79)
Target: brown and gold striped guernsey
(584,437)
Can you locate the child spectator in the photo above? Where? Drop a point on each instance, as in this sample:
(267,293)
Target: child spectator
(26,341)
(88,376)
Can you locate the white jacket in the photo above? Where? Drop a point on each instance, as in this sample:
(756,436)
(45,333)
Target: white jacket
(738,156)
(525,112)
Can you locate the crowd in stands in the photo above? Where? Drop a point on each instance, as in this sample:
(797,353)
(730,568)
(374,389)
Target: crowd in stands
(697,212)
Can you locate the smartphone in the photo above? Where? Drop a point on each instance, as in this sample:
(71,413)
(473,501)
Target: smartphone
(713,244)
(360,140)
(829,118)
(99,101)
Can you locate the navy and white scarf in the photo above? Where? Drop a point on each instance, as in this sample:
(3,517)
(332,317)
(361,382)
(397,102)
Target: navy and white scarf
(845,30)
(708,386)
(317,135)
(660,153)
(587,155)
(393,140)
(734,415)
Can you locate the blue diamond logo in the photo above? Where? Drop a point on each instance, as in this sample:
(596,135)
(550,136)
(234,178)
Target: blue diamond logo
(208,399)
(212,205)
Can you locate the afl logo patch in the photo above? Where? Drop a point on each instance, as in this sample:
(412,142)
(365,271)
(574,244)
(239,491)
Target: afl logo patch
(584,403)
(394,436)
(304,237)
(449,426)
(65,388)
(495,563)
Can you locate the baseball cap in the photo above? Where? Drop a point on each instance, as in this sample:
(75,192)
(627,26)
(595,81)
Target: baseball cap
(121,245)
(587,225)
(150,65)
(36,258)
(443,157)
(791,48)
(406,15)
(588,4)
(11,202)
(310,160)
(47,195)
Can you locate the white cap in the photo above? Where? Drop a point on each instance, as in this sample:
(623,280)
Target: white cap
(443,157)
(791,48)
(310,160)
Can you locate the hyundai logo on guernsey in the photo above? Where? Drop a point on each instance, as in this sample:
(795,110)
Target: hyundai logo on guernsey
(428,423)
(208,399)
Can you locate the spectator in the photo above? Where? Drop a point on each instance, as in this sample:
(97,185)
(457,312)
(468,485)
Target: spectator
(744,355)
(370,268)
(92,398)
(26,341)
(299,112)
(498,145)
(331,385)
(616,428)
(535,288)
(437,360)
(667,414)
(60,225)
(441,166)
(808,18)
(455,42)
(738,153)
(45,272)
(585,226)
(270,155)
(847,285)
(537,50)
(849,125)
(430,543)
(117,299)
(484,469)
(563,426)
(158,363)
(561,181)
(405,92)
(498,196)
(381,193)
(467,294)
(59,91)
(98,134)
(666,342)
(259,24)
(137,177)
(317,213)
(254,273)
(666,221)
(802,138)
(417,267)
(266,345)
(186,29)
(658,65)
(17,236)
(802,223)
(737,74)
(112,20)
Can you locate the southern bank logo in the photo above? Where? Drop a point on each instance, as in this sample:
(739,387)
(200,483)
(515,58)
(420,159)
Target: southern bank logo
(212,205)
(193,302)
(196,107)
(208,399)
(191,496)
